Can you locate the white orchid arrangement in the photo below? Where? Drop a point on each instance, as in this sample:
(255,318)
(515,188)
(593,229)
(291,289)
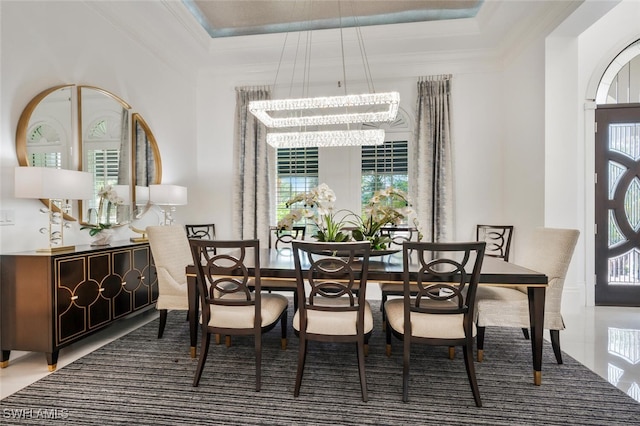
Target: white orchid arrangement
(318,205)
(389,206)
(108,199)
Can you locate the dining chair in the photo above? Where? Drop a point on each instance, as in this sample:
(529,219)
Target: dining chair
(231,297)
(549,250)
(397,236)
(330,308)
(281,241)
(498,239)
(440,312)
(171,255)
(201,231)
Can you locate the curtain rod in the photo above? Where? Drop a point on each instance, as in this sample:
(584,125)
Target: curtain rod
(435,77)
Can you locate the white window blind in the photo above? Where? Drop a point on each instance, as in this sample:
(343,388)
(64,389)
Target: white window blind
(297,172)
(383,166)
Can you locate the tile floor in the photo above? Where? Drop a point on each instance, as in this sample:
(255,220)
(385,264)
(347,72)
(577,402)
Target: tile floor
(605,339)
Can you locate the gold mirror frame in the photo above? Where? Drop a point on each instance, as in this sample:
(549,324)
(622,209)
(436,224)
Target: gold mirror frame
(23,128)
(22,153)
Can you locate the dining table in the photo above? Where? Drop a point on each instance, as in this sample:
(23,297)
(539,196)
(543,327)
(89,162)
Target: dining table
(388,268)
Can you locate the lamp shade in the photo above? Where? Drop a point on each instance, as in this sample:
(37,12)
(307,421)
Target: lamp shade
(123,193)
(45,182)
(168,195)
(142,195)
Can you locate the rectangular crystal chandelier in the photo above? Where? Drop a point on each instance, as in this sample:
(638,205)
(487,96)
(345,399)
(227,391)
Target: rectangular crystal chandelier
(337,112)
(327,110)
(326,138)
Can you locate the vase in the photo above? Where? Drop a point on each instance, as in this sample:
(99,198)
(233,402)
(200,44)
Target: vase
(102,238)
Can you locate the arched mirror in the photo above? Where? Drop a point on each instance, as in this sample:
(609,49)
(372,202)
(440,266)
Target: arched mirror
(87,128)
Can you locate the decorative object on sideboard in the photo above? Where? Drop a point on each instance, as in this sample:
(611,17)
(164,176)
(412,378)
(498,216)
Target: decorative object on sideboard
(107,214)
(167,197)
(58,186)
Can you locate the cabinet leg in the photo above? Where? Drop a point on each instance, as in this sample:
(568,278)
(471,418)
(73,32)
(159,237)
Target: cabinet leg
(4,361)
(52,360)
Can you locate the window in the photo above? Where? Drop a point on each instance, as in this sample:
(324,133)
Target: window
(44,146)
(297,172)
(383,166)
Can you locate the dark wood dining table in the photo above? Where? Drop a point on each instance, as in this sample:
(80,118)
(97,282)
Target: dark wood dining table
(388,268)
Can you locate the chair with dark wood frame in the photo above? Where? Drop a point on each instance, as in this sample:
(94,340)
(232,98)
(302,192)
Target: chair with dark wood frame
(397,235)
(231,298)
(206,231)
(498,239)
(332,307)
(281,241)
(441,312)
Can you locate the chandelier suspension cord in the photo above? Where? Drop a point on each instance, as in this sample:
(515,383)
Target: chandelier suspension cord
(363,53)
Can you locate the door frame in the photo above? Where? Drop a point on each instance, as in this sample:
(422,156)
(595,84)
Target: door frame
(605,295)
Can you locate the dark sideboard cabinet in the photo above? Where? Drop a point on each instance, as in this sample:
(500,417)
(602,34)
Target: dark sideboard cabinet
(52,300)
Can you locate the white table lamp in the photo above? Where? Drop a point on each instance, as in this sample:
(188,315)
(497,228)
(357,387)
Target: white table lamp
(168,196)
(58,186)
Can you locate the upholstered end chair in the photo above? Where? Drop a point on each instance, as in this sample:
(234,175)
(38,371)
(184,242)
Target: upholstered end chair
(549,251)
(171,254)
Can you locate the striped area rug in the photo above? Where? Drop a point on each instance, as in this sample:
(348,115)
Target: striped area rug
(139,380)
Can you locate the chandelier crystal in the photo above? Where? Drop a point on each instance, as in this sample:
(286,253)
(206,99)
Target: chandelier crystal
(327,110)
(326,138)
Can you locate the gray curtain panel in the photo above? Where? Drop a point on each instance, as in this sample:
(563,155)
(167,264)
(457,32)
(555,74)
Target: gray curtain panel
(254,161)
(432,189)
(125,149)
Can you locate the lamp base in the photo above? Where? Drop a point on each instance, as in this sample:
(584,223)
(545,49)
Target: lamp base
(139,239)
(55,249)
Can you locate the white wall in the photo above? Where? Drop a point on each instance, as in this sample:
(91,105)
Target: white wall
(51,43)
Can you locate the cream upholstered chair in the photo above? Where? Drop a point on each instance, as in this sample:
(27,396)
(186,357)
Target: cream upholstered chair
(437,304)
(171,255)
(331,293)
(549,251)
(231,297)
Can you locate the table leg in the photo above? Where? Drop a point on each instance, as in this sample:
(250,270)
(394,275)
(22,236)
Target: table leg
(536,319)
(192,295)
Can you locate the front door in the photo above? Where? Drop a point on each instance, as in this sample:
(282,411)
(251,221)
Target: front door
(617,203)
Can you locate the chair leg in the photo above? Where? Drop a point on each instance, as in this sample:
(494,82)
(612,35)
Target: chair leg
(204,351)
(452,352)
(363,378)
(163,322)
(302,357)
(525,333)
(555,343)
(283,330)
(405,368)
(258,341)
(388,337)
(227,341)
(480,342)
(471,372)
(384,314)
